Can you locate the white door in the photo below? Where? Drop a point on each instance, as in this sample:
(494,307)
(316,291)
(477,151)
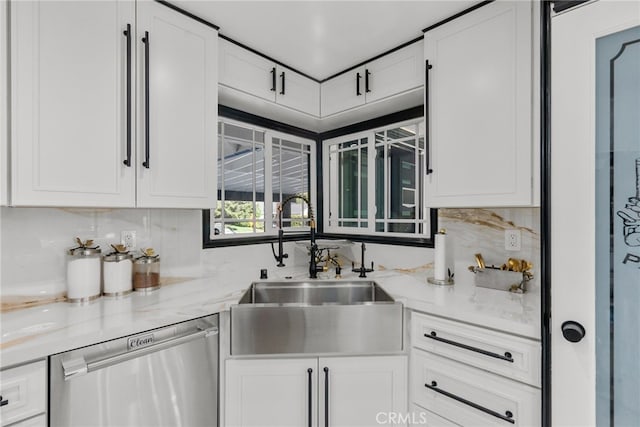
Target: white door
(246,71)
(4,51)
(479,105)
(297,91)
(595,178)
(271,392)
(354,391)
(69,102)
(177,155)
(395,73)
(343,92)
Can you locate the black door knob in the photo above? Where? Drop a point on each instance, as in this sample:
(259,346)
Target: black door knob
(572,331)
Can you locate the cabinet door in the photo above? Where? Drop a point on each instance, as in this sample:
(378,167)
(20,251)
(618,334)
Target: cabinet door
(479,104)
(4,51)
(395,73)
(23,391)
(69,103)
(342,92)
(297,91)
(275,392)
(177,127)
(360,388)
(245,71)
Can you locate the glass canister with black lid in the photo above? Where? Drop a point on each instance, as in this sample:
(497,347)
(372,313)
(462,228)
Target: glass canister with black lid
(146,271)
(83,272)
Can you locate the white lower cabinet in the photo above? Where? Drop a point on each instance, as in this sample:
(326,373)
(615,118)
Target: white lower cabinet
(470,376)
(23,392)
(350,391)
(420,416)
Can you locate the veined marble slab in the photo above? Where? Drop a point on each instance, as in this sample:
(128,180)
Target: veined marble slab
(37,332)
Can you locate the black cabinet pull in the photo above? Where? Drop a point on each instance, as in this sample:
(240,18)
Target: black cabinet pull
(3,402)
(282,77)
(127,33)
(366,81)
(309,372)
(507,355)
(358,76)
(326,397)
(145,40)
(427,67)
(508,415)
(273,79)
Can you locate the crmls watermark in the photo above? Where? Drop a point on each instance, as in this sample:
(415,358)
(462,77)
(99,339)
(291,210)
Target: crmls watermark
(400,418)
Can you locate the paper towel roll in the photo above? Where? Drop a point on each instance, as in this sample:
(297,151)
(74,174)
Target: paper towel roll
(440,258)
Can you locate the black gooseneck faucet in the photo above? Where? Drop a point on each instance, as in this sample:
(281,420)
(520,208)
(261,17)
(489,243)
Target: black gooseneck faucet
(280,256)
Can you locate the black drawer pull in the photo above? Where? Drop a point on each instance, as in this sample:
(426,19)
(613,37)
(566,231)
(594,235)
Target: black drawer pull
(507,356)
(310,395)
(508,415)
(3,402)
(326,397)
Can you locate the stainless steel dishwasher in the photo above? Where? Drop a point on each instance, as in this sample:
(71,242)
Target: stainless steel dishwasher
(166,376)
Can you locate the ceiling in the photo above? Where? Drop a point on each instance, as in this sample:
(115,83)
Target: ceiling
(322,38)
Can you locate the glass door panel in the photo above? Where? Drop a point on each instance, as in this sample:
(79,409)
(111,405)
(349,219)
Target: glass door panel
(618,228)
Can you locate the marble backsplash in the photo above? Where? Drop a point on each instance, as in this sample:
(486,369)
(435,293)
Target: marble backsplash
(34,240)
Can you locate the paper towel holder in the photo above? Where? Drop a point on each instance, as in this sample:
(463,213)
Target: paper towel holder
(446,282)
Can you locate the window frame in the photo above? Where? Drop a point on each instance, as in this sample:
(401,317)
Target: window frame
(369,234)
(279,131)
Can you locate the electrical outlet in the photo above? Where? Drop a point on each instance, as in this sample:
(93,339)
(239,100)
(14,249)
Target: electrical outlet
(512,240)
(128,238)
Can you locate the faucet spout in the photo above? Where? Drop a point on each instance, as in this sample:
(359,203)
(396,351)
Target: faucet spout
(280,256)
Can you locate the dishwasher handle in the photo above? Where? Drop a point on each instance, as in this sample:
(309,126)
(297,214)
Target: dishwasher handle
(78,366)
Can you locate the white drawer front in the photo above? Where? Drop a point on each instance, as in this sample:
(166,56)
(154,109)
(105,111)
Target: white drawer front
(508,355)
(429,419)
(39,421)
(25,390)
(469,396)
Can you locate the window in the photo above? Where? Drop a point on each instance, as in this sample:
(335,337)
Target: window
(257,169)
(375,182)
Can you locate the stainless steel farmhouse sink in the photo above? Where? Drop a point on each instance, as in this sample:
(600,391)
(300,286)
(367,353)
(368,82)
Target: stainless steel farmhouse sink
(315,317)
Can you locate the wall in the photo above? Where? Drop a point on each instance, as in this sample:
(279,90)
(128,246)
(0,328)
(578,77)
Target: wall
(34,240)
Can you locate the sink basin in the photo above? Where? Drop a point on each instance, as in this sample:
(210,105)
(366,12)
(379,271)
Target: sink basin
(316,317)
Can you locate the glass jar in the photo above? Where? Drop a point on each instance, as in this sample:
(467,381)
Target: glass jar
(117,271)
(83,274)
(146,273)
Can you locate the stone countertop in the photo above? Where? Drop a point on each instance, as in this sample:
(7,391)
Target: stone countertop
(37,332)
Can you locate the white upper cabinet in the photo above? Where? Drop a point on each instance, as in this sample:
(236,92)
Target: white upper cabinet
(250,73)
(77,76)
(245,71)
(395,73)
(389,75)
(343,92)
(177,156)
(479,105)
(297,91)
(69,103)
